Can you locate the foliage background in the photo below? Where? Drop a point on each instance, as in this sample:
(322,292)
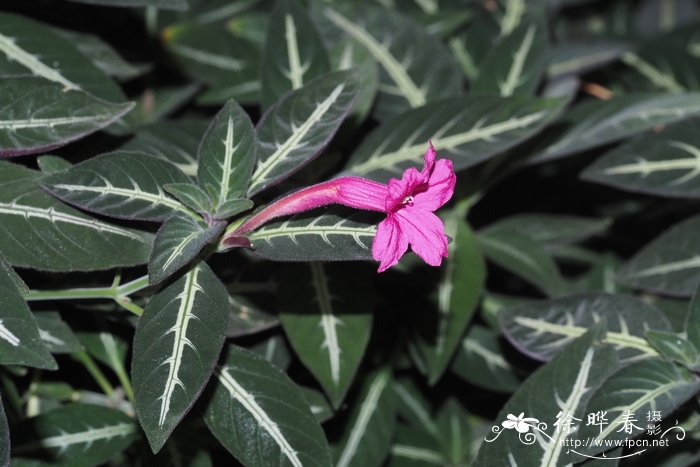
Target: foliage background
(573,263)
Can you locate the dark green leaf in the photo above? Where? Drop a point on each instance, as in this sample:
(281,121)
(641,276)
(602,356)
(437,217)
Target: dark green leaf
(52,164)
(332,236)
(481,361)
(370,429)
(467,130)
(669,263)
(326,314)
(274,349)
(293,53)
(416,67)
(79,435)
(177,242)
(318,404)
(227,156)
(120,184)
(543,328)
(595,123)
(665,163)
(178,340)
(559,389)
(439,331)
(577,58)
(172,141)
(523,257)
(515,64)
(692,321)
(20,343)
(550,229)
(190,195)
(248,318)
(300,125)
(673,347)
(40,115)
(56,335)
(106,346)
(31,49)
(631,393)
(4,438)
(261,416)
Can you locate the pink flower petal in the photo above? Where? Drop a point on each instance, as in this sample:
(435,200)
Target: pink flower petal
(441,187)
(425,232)
(428,160)
(389,243)
(361,193)
(411,181)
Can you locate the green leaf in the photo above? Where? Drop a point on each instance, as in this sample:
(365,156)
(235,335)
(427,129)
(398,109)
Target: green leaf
(547,229)
(416,67)
(120,184)
(438,331)
(293,54)
(20,342)
(274,349)
(574,58)
(30,49)
(209,53)
(481,361)
(156,104)
(52,164)
(261,416)
(651,385)
(563,386)
(318,404)
(172,141)
(598,122)
(190,195)
(177,242)
(248,318)
(300,125)
(326,314)
(664,164)
(412,448)
(468,130)
(413,407)
(227,156)
(368,434)
(40,115)
(164,4)
(4,438)
(455,432)
(541,329)
(55,334)
(524,257)
(106,346)
(515,64)
(668,264)
(332,236)
(178,340)
(673,347)
(104,56)
(77,434)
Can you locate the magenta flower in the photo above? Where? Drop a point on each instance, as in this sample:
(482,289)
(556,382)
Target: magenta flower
(409,204)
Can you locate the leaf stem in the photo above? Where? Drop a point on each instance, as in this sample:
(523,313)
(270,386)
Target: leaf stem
(95,372)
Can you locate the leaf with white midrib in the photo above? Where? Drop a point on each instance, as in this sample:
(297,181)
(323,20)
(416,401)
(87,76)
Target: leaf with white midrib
(39,115)
(541,329)
(91,433)
(227,156)
(293,53)
(467,130)
(120,184)
(256,404)
(417,67)
(324,311)
(368,434)
(668,264)
(177,343)
(300,125)
(30,216)
(331,236)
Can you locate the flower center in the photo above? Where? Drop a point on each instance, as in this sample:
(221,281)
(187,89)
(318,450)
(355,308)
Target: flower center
(407,200)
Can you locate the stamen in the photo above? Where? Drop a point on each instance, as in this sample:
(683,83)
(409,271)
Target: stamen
(408,200)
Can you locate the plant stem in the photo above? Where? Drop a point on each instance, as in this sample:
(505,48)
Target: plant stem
(118,293)
(95,371)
